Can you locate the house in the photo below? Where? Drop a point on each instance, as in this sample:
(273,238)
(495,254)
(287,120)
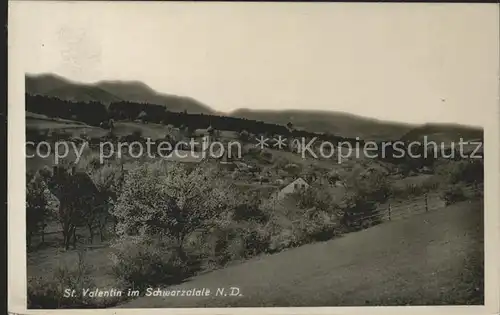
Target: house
(295,186)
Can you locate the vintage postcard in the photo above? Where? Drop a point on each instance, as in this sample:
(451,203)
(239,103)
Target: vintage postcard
(230,158)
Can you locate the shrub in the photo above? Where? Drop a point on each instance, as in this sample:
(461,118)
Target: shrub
(292,169)
(364,192)
(359,212)
(248,208)
(409,190)
(283,235)
(256,239)
(90,161)
(140,262)
(453,194)
(224,244)
(109,136)
(244,135)
(84,136)
(320,225)
(316,196)
(304,217)
(230,242)
(43,293)
(470,171)
(49,292)
(136,135)
(266,157)
(431,183)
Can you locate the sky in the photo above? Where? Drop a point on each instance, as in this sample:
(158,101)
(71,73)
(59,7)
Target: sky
(403,62)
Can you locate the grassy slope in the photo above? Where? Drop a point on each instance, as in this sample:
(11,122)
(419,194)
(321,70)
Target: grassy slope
(433,258)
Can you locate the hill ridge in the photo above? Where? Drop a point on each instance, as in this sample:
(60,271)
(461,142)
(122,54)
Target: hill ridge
(339,123)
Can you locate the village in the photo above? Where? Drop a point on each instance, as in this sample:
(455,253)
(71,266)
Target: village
(283,168)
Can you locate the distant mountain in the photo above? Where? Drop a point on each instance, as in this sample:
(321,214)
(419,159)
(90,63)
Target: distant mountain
(443,133)
(337,123)
(107,92)
(135,91)
(43,83)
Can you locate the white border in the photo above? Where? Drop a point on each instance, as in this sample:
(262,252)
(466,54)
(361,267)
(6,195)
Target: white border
(16,197)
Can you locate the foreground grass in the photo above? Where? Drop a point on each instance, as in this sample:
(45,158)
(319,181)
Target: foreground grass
(434,258)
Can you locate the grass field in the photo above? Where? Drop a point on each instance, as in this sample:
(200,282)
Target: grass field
(433,258)
(150,130)
(34,117)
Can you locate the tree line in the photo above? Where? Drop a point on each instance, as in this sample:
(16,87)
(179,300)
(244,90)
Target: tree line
(96,113)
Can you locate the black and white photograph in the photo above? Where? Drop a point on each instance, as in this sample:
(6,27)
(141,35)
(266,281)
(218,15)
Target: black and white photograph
(252,155)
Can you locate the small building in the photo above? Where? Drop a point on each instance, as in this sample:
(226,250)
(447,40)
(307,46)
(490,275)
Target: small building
(297,185)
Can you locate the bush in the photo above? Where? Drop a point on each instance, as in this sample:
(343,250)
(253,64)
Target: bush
(409,190)
(266,157)
(431,183)
(359,213)
(364,192)
(142,262)
(320,225)
(316,196)
(43,293)
(248,208)
(84,136)
(290,225)
(283,235)
(109,136)
(292,169)
(256,239)
(454,194)
(223,245)
(244,135)
(90,161)
(469,171)
(136,135)
(49,292)
(231,242)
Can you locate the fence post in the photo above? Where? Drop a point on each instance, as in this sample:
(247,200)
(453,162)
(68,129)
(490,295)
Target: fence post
(426,204)
(389,212)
